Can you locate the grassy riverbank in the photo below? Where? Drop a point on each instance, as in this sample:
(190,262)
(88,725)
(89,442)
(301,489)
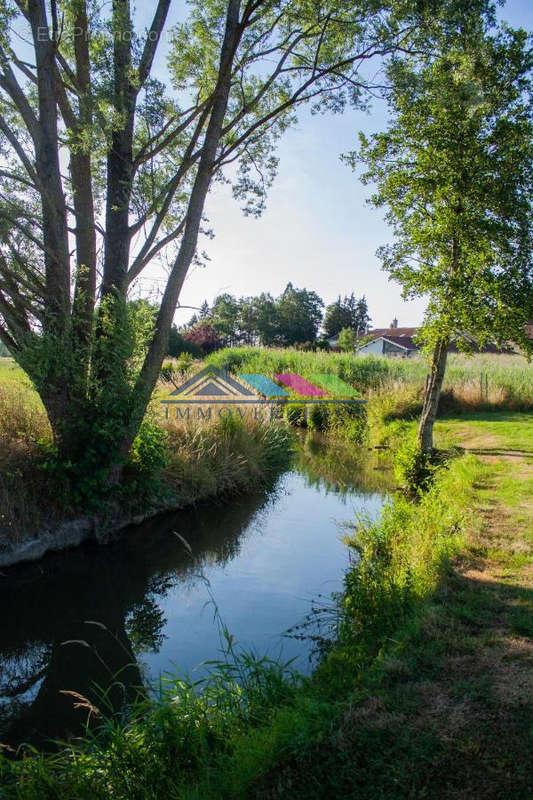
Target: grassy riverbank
(172,464)
(427,692)
(178,465)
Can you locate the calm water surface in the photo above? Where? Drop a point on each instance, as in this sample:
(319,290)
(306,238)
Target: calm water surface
(144,605)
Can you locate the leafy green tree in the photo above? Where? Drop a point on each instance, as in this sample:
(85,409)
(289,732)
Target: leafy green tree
(247,321)
(266,319)
(105,169)
(347,312)
(362,318)
(336,317)
(454,170)
(175,342)
(347,340)
(224,317)
(300,315)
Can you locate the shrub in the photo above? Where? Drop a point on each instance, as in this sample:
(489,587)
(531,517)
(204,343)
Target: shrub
(184,363)
(175,372)
(346,340)
(177,345)
(205,337)
(413,468)
(349,422)
(148,449)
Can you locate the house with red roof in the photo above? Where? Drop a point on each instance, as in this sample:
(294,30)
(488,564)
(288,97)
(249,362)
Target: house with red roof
(396,341)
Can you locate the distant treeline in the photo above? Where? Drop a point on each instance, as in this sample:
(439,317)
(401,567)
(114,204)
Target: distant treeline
(294,318)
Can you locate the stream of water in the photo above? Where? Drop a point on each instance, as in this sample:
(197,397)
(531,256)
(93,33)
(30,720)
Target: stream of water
(145,605)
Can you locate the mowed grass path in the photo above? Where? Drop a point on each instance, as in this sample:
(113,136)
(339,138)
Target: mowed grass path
(453,715)
(446,710)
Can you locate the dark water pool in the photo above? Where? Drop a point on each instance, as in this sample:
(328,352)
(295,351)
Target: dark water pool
(143,605)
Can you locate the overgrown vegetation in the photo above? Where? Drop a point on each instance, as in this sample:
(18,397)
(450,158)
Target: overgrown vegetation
(171,464)
(472,382)
(415,683)
(393,389)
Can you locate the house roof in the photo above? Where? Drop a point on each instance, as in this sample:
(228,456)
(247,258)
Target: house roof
(404,342)
(403,337)
(487,348)
(391,332)
(401,341)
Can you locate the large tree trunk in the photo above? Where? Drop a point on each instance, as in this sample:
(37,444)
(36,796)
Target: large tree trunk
(432,395)
(154,358)
(82,183)
(54,212)
(120,157)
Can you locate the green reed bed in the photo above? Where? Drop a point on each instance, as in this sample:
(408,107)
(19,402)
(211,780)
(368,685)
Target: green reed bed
(477,381)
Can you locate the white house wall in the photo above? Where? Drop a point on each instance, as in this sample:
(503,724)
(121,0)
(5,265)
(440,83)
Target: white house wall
(374,348)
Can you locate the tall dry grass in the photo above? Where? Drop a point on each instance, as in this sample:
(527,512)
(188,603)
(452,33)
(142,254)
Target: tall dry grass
(226,455)
(198,462)
(24,428)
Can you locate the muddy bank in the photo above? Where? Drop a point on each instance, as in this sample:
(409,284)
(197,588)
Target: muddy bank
(72,533)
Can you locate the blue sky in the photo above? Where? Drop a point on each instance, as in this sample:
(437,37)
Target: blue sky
(317,231)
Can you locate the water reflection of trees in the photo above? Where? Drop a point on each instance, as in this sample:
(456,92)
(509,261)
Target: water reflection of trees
(106,601)
(120,588)
(341,467)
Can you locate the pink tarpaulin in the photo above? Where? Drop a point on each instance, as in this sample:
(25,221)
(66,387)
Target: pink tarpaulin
(299,385)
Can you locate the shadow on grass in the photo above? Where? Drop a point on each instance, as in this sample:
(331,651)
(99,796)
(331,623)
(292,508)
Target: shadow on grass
(447,713)
(493,415)
(498,451)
